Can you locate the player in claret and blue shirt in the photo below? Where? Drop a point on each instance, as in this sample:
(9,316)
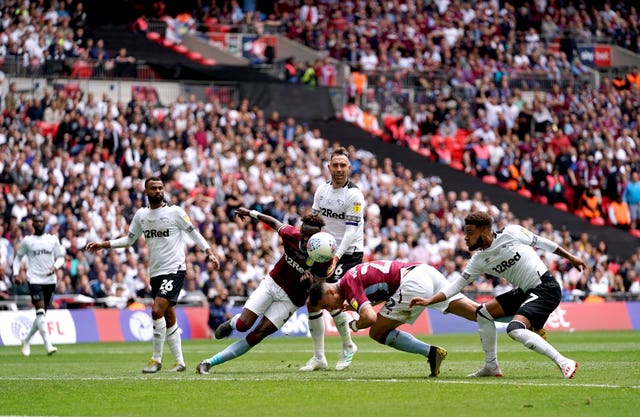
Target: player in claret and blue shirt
(394,283)
(280,293)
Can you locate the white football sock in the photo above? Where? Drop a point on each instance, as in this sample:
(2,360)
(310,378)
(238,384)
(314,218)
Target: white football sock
(340,319)
(159,334)
(488,335)
(40,323)
(175,342)
(536,343)
(316,328)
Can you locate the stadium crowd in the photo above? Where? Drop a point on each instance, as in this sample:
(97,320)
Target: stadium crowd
(54,38)
(87,179)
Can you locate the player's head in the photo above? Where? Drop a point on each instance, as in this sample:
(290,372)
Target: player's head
(311,224)
(154,189)
(38,224)
(325,296)
(477,230)
(339,167)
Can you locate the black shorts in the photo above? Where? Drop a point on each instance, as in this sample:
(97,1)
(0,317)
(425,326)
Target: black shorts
(344,264)
(41,292)
(168,286)
(535,304)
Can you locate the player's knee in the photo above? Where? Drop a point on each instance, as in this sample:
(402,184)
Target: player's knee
(483,314)
(379,335)
(157,312)
(315,315)
(514,328)
(241,326)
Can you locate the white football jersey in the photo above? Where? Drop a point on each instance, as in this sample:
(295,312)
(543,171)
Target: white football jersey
(511,255)
(342,208)
(41,252)
(163,231)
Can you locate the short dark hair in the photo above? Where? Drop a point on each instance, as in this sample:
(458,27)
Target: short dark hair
(148,180)
(340,151)
(478,218)
(315,294)
(313,219)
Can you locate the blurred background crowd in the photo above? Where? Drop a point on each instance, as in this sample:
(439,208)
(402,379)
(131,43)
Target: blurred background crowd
(554,138)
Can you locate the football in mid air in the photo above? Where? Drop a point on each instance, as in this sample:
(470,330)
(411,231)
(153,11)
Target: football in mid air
(321,247)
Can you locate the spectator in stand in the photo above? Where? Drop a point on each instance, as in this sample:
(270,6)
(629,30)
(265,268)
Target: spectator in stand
(219,312)
(634,288)
(619,214)
(124,64)
(351,112)
(632,198)
(309,76)
(290,71)
(591,208)
(309,13)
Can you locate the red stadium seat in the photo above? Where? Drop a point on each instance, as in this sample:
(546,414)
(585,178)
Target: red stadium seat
(561,206)
(457,165)
(194,55)
(597,221)
(541,199)
(167,43)
(181,49)
(424,152)
(490,179)
(525,193)
(208,61)
(635,233)
(153,36)
(506,185)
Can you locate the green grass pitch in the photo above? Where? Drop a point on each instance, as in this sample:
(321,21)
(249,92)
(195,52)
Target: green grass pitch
(106,380)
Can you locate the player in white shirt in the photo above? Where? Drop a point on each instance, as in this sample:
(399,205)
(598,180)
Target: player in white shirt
(163,227)
(45,254)
(341,204)
(510,254)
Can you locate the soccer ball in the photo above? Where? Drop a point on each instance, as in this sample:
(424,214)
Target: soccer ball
(321,247)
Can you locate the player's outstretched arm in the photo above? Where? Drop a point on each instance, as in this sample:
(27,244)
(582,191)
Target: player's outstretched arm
(244,212)
(419,301)
(577,262)
(94,247)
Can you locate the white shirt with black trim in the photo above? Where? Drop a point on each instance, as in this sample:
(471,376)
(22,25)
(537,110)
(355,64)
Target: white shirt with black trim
(43,253)
(343,211)
(512,256)
(163,230)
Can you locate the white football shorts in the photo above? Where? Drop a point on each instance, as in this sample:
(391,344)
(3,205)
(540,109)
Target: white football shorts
(270,300)
(421,281)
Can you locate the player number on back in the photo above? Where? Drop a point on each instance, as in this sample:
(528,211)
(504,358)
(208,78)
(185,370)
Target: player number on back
(381,266)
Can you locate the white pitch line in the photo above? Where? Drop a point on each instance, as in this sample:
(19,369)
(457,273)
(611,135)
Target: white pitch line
(500,381)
